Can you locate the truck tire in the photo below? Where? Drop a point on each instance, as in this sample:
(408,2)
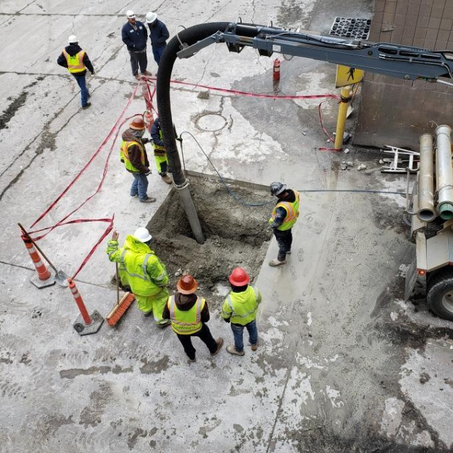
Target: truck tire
(440,293)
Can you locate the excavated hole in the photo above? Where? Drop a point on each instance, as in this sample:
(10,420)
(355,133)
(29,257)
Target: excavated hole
(236,235)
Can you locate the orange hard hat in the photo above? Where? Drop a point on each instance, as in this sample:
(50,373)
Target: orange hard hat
(187,284)
(137,123)
(239,277)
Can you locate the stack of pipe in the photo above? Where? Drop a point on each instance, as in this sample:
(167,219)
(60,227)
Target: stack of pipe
(439,203)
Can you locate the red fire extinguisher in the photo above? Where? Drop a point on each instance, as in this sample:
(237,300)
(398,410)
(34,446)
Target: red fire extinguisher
(276,71)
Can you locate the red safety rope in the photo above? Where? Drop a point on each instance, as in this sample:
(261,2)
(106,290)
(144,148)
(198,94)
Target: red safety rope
(148,95)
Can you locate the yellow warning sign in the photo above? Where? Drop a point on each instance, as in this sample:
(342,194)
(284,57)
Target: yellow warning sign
(348,76)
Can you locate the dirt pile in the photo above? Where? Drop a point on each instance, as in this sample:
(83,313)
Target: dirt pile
(236,235)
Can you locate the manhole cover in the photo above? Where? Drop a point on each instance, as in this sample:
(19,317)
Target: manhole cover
(350,27)
(211,122)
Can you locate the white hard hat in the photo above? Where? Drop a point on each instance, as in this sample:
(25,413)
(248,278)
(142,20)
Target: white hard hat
(72,39)
(130,14)
(150,17)
(142,234)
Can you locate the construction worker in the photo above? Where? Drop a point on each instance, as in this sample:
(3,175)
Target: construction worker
(160,153)
(188,314)
(283,218)
(158,34)
(135,36)
(146,274)
(77,62)
(240,308)
(133,155)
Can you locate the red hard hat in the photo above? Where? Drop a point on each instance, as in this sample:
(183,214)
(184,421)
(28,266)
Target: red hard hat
(137,123)
(187,285)
(239,277)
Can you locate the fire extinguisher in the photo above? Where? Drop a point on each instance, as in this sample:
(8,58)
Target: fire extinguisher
(148,120)
(276,71)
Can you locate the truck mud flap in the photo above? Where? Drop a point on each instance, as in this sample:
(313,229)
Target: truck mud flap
(411,280)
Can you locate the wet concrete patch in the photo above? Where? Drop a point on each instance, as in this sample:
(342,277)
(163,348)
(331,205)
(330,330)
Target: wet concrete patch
(155,367)
(71,374)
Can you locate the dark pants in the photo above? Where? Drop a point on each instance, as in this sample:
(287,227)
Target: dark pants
(284,241)
(204,335)
(157,52)
(83,89)
(138,59)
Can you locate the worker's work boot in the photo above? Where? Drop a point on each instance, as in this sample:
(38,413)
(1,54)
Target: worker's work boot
(148,200)
(86,106)
(254,347)
(276,262)
(191,360)
(137,76)
(147,314)
(232,350)
(146,73)
(219,342)
(163,325)
(166,179)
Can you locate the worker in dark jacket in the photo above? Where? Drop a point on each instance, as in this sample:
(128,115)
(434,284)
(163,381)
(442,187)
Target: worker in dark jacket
(160,153)
(135,36)
(283,218)
(158,33)
(77,62)
(133,155)
(188,314)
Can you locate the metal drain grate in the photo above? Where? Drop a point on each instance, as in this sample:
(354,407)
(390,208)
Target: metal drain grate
(350,27)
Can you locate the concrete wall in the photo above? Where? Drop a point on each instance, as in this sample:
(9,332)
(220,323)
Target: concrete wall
(395,111)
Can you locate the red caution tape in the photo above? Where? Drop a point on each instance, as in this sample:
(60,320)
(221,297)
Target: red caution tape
(148,96)
(101,146)
(119,122)
(257,95)
(325,131)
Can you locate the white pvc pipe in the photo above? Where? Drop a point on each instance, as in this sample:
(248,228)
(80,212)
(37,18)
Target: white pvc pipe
(444,173)
(426,211)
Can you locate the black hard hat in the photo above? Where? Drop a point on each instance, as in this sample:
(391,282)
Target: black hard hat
(277,188)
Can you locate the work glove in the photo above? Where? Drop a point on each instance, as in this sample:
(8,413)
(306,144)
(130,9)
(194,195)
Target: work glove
(227,320)
(148,172)
(145,140)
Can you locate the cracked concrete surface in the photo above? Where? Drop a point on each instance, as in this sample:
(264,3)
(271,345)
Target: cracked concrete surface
(343,363)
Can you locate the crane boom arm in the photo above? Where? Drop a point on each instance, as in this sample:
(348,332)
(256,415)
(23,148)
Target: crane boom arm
(392,60)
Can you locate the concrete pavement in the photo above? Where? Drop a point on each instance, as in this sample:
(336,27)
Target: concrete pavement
(343,363)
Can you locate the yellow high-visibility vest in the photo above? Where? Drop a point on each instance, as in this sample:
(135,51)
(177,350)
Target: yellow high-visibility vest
(75,62)
(292,213)
(186,322)
(124,155)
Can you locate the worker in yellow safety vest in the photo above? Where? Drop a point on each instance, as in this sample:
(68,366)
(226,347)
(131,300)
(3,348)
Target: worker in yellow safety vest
(146,274)
(135,159)
(160,153)
(189,314)
(283,218)
(240,309)
(77,62)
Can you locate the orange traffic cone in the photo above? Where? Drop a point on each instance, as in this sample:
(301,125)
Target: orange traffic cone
(85,324)
(43,276)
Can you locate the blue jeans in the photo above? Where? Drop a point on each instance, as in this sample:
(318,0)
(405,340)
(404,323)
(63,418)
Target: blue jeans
(157,52)
(139,186)
(83,89)
(238,332)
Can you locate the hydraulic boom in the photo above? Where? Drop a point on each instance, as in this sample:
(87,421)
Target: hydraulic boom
(393,60)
